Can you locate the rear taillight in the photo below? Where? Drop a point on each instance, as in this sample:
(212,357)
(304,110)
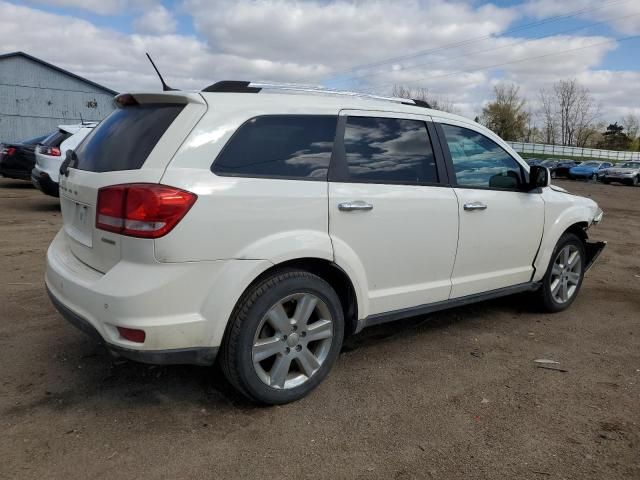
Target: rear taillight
(51,151)
(144,210)
(8,151)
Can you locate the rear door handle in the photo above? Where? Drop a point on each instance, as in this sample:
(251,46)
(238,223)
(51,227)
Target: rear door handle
(354,205)
(475,206)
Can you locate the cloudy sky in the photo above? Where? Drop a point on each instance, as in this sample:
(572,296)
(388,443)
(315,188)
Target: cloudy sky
(456,48)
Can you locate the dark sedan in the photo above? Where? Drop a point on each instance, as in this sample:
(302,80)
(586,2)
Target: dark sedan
(18,159)
(562,167)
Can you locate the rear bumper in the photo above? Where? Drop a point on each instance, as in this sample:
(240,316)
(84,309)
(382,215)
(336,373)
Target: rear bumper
(177,356)
(17,174)
(43,182)
(619,178)
(183,308)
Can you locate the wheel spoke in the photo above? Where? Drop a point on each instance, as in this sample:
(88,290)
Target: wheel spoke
(304,309)
(555,286)
(556,270)
(267,347)
(319,330)
(564,291)
(279,371)
(573,259)
(278,319)
(574,277)
(565,257)
(308,362)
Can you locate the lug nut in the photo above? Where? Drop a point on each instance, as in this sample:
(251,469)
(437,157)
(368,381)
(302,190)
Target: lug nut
(294,327)
(298,348)
(303,334)
(287,350)
(284,338)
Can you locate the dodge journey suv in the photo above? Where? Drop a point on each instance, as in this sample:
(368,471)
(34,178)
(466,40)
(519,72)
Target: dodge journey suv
(256,227)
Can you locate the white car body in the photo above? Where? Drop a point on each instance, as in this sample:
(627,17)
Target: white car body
(418,248)
(48,166)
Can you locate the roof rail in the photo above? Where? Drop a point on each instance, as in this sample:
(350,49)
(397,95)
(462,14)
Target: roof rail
(236,86)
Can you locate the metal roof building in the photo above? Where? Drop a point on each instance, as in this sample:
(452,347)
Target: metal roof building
(36,97)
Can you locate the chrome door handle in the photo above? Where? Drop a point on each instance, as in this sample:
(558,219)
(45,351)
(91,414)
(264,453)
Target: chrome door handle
(355,205)
(475,206)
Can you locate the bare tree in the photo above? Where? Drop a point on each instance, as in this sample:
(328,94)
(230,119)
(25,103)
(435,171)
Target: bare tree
(576,112)
(632,125)
(437,102)
(507,115)
(548,114)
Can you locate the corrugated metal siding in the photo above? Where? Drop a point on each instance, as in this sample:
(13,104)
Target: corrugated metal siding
(35,99)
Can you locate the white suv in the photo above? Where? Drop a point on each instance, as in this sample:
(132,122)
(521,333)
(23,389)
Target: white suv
(260,227)
(51,153)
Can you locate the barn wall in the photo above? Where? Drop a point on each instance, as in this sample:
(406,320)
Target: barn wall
(35,99)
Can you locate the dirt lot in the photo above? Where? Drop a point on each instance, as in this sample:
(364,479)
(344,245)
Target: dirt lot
(449,396)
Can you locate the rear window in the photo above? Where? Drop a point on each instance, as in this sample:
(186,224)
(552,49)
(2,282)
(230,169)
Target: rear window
(55,139)
(124,140)
(280,146)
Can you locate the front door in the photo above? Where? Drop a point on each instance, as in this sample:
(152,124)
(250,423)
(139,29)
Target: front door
(389,213)
(500,225)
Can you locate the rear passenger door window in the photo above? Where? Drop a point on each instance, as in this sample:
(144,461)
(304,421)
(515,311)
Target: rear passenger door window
(479,162)
(280,146)
(388,150)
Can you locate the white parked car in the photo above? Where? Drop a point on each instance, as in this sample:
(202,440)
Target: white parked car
(51,153)
(259,228)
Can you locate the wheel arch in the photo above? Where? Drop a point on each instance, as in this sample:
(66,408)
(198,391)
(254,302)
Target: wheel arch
(329,272)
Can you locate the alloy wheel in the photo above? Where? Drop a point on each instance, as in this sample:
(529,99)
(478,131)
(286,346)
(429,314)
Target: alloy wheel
(565,274)
(292,341)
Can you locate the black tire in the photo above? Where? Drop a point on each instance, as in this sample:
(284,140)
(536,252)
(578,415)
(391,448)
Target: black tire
(606,182)
(543,297)
(635,181)
(235,356)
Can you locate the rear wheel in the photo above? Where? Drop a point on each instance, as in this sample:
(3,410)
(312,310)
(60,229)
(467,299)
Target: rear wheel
(286,334)
(564,276)
(635,181)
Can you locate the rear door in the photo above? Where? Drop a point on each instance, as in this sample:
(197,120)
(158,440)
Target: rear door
(500,225)
(133,144)
(392,216)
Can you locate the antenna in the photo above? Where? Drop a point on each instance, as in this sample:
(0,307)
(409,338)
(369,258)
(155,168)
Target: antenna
(81,120)
(165,87)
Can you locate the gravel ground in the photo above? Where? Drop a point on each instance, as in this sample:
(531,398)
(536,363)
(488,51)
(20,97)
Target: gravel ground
(451,395)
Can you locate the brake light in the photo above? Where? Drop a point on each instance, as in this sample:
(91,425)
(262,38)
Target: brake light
(51,151)
(145,210)
(132,334)
(8,151)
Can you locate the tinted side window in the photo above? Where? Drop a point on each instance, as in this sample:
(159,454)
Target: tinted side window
(480,162)
(289,146)
(389,150)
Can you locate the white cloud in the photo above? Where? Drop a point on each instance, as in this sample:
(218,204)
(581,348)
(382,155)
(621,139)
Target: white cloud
(101,7)
(286,40)
(156,21)
(623,13)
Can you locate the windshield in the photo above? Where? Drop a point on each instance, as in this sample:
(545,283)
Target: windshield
(548,162)
(630,165)
(590,164)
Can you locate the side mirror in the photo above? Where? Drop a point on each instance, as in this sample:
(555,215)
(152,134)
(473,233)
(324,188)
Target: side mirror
(539,177)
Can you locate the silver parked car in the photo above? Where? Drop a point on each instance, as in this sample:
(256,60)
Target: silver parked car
(628,172)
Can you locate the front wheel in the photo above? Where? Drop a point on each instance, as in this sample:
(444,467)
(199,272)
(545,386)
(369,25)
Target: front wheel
(564,276)
(635,181)
(285,335)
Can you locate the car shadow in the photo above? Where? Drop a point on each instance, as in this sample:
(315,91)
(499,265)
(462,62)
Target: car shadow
(16,184)
(95,377)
